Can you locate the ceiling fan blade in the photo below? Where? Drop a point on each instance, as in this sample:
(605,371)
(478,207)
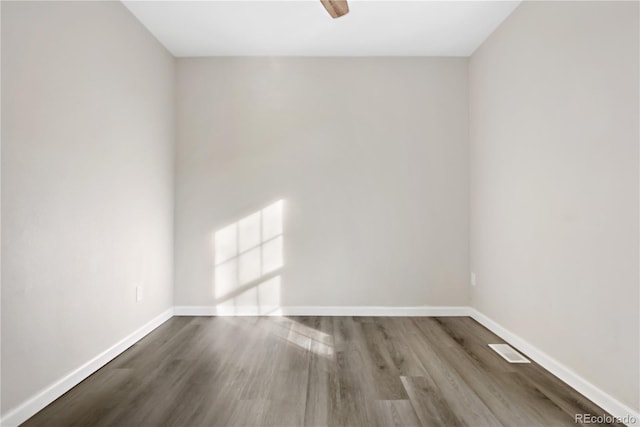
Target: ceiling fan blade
(336,8)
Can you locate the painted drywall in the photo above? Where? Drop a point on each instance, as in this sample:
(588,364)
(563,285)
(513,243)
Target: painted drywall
(369,158)
(87,204)
(554,185)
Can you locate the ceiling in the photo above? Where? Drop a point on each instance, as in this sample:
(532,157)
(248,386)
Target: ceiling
(304,28)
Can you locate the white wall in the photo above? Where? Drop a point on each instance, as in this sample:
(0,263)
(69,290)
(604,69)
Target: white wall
(87,114)
(369,156)
(554,185)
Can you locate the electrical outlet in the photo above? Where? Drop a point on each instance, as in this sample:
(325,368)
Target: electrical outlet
(139,295)
(473,279)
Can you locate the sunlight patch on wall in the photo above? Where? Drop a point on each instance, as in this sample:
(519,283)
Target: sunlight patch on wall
(259,299)
(247,256)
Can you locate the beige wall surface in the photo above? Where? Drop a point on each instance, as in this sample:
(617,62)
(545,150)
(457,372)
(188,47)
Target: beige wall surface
(87,115)
(554,185)
(369,158)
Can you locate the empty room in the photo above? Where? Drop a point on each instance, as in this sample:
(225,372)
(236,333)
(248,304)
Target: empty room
(320,213)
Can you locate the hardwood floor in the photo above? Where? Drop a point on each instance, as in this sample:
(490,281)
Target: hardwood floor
(316,371)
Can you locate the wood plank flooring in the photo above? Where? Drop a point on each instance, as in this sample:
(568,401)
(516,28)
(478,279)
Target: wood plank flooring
(317,371)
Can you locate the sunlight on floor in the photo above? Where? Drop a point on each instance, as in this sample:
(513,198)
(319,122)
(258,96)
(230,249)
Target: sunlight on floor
(303,337)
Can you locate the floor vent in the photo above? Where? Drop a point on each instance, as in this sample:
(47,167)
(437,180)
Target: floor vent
(508,353)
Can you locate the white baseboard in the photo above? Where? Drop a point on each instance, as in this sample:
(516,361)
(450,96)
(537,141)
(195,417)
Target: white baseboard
(568,376)
(321,311)
(52,392)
